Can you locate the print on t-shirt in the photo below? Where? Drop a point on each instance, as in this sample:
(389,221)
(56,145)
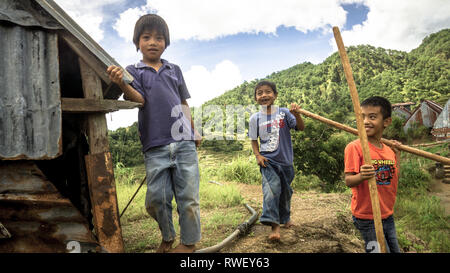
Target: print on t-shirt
(384,171)
(270,132)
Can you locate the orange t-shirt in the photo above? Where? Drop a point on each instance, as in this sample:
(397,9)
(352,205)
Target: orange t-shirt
(385,164)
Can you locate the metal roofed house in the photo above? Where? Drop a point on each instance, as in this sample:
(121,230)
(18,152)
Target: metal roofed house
(57,188)
(402,110)
(441,128)
(425,114)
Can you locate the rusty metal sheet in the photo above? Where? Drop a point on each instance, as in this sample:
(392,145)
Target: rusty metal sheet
(26,13)
(30,106)
(102,189)
(36,215)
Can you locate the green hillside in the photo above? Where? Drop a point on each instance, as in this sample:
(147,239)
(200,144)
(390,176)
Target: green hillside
(420,74)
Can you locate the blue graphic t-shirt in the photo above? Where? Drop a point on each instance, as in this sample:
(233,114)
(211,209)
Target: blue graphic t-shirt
(274,134)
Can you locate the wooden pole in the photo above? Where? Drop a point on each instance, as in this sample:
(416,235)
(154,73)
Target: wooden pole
(435,157)
(363,138)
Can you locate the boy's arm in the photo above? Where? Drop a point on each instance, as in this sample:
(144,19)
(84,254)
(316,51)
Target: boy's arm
(187,113)
(300,125)
(116,76)
(259,158)
(354,179)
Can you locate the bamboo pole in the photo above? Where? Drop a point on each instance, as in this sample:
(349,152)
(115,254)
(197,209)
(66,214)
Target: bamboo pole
(363,138)
(435,157)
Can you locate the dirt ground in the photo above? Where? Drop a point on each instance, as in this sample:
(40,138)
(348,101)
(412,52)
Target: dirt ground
(322,221)
(442,191)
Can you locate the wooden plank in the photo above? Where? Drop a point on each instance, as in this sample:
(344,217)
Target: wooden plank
(99,169)
(77,105)
(86,55)
(363,139)
(104,201)
(425,154)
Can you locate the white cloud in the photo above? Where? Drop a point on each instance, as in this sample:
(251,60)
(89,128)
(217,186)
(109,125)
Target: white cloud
(204,85)
(122,118)
(88,14)
(399,24)
(210,19)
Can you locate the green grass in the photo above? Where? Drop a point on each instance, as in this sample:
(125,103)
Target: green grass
(221,210)
(420,220)
(417,211)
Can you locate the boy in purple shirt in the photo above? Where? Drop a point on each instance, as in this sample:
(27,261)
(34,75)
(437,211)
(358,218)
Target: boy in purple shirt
(167,134)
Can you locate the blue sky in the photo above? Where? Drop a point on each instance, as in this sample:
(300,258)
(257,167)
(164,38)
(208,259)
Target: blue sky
(220,44)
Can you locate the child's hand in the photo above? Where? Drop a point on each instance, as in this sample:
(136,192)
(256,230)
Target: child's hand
(261,160)
(197,138)
(395,146)
(366,172)
(295,109)
(115,74)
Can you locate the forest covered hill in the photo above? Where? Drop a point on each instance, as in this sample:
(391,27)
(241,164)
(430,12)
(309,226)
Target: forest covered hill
(420,74)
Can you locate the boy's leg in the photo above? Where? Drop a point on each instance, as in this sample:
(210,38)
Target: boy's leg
(367,229)
(158,200)
(185,175)
(390,234)
(271,193)
(286,174)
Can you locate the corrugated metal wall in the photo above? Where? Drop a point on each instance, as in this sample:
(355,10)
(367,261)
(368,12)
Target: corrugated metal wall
(30,107)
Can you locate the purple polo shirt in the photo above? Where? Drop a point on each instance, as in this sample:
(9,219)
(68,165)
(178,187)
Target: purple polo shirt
(160,120)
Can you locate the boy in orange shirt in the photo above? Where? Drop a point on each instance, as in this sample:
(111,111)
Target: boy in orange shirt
(385,167)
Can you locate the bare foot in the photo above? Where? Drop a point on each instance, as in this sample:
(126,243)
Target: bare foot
(164,247)
(275,234)
(183,249)
(289,225)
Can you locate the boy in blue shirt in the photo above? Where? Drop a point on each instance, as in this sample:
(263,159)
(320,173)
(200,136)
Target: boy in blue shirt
(275,155)
(167,134)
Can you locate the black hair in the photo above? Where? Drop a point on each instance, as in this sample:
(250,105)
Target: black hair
(150,22)
(268,83)
(383,103)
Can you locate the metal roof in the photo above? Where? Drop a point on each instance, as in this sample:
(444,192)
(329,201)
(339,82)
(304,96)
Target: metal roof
(30,105)
(69,24)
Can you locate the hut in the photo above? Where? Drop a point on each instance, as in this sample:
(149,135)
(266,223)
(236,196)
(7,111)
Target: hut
(57,188)
(425,114)
(441,128)
(402,110)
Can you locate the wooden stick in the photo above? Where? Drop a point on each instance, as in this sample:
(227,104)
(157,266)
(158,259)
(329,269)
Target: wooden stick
(435,157)
(363,138)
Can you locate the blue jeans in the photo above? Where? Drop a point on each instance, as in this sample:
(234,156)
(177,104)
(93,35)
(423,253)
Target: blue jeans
(172,170)
(277,191)
(367,229)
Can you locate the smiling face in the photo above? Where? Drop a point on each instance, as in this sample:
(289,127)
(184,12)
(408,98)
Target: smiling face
(265,96)
(152,46)
(374,121)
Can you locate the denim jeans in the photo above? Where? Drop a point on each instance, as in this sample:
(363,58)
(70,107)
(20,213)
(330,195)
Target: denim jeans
(367,229)
(277,191)
(172,170)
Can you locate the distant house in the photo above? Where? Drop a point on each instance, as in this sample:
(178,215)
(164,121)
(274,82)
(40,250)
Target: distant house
(402,110)
(426,114)
(441,128)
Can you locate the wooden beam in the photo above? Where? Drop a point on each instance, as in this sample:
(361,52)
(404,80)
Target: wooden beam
(76,105)
(99,169)
(363,139)
(89,58)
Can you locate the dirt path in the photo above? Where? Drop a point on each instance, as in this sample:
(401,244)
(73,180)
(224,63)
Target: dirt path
(442,191)
(323,225)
